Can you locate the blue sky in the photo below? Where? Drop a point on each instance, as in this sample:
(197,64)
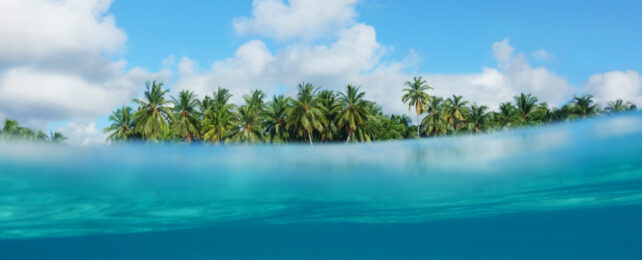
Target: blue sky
(585,37)
(66,64)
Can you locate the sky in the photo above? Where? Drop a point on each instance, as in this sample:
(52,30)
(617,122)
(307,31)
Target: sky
(66,64)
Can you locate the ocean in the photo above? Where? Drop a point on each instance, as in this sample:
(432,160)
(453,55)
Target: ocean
(562,191)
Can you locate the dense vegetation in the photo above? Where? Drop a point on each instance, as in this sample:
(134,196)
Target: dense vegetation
(13,131)
(316,115)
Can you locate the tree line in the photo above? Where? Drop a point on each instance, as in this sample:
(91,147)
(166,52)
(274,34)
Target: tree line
(13,131)
(321,116)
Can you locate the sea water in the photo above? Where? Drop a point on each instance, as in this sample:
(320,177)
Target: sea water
(570,191)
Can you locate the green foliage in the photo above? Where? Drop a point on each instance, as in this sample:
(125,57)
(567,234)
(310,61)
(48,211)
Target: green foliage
(435,123)
(250,127)
(526,104)
(355,113)
(415,95)
(584,106)
(276,120)
(153,113)
(217,119)
(13,131)
(507,116)
(329,101)
(619,106)
(186,124)
(122,126)
(477,119)
(455,109)
(306,114)
(316,115)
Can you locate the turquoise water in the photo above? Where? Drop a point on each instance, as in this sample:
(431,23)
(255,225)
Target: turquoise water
(562,191)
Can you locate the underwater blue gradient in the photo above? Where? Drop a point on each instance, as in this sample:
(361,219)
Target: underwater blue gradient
(570,190)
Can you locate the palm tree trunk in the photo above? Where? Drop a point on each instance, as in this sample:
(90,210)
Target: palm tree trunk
(418,126)
(348,139)
(310,138)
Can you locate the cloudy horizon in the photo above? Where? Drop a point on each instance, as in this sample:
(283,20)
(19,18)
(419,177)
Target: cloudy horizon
(65,64)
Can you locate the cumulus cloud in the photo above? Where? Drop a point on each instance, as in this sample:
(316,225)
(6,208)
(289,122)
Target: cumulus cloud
(354,57)
(53,64)
(357,57)
(36,29)
(296,18)
(503,52)
(512,76)
(255,66)
(626,85)
(542,55)
(83,132)
(32,93)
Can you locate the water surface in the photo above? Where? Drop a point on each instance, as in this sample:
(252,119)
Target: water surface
(566,190)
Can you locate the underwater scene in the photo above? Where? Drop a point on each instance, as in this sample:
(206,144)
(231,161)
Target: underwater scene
(569,190)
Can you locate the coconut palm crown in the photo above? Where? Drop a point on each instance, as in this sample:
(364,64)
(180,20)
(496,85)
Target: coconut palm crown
(415,95)
(154,114)
(122,125)
(305,113)
(186,115)
(354,113)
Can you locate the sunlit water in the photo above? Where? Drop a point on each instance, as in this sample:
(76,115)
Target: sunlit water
(562,191)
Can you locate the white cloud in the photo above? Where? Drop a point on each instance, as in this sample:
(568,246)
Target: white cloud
(626,85)
(296,18)
(255,66)
(503,51)
(30,93)
(37,29)
(83,133)
(53,64)
(356,57)
(542,55)
(169,61)
(72,96)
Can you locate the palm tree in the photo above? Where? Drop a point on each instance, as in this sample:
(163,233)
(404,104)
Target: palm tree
(57,137)
(218,116)
(507,116)
(25,133)
(477,118)
(583,106)
(32,135)
(186,115)
(153,112)
(525,105)
(354,113)
(38,136)
(455,111)
(543,113)
(306,114)
(206,104)
(122,126)
(416,96)
(329,101)
(276,119)
(250,127)
(435,123)
(565,113)
(619,106)
(11,127)
(255,100)
(13,130)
